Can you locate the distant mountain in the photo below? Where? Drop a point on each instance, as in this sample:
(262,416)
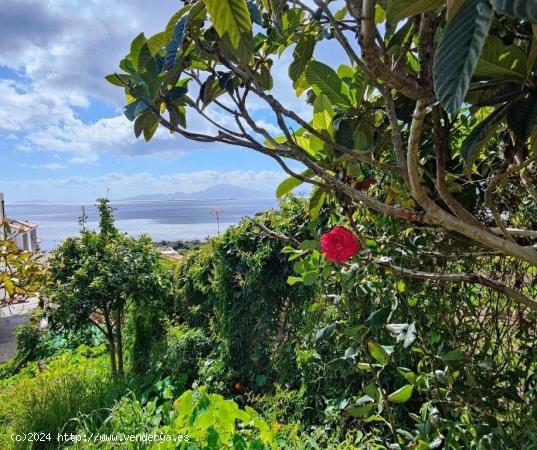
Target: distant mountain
(218,192)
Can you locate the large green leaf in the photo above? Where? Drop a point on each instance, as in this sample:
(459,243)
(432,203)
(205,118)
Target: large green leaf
(169,32)
(132,110)
(325,80)
(459,51)
(118,79)
(362,406)
(501,61)
(157,42)
(317,201)
(493,93)
(521,9)
(479,136)
(232,21)
(522,117)
(301,56)
(401,395)
(399,9)
(175,43)
(210,90)
(323,114)
(378,352)
(137,46)
(287,185)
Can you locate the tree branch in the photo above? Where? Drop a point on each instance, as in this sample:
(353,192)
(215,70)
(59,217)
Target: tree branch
(442,217)
(463,277)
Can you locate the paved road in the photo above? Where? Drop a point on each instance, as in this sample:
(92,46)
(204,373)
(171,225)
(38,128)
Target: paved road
(11,318)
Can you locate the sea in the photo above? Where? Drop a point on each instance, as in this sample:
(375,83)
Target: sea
(161,220)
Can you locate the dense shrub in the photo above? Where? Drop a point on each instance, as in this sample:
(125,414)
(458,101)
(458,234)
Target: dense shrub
(185,348)
(235,287)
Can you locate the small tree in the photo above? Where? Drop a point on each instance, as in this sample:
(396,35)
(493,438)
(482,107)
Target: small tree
(94,278)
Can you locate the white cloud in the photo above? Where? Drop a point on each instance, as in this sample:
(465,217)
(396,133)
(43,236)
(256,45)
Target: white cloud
(24,108)
(62,49)
(61,44)
(50,166)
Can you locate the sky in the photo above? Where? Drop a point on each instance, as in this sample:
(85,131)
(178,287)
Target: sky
(63,136)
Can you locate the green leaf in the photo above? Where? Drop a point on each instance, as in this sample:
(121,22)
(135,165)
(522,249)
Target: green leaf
(175,43)
(401,286)
(501,61)
(140,122)
(378,352)
(459,51)
(168,33)
(378,317)
(118,79)
(144,57)
(310,278)
(301,56)
(232,21)
(522,117)
(310,245)
(265,78)
(401,395)
(260,380)
(410,336)
(133,109)
(177,115)
(291,281)
(136,46)
(360,409)
(325,80)
(400,9)
(210,90)
(480,135)
(323,114)
(325,332)
(255,13)
(150,126)
(316,203)
(452,356)
(521,9)
(287,185)
(157,42)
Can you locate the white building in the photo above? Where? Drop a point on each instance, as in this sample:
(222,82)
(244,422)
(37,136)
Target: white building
(24,233)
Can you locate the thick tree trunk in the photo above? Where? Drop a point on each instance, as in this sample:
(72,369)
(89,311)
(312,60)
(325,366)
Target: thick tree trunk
(111,344)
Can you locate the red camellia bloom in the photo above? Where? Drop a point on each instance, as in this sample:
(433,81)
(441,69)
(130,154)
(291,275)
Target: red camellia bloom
(339,245)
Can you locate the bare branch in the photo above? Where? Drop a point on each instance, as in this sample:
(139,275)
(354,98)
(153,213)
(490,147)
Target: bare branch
(274,234)
(461,278)
(373,57)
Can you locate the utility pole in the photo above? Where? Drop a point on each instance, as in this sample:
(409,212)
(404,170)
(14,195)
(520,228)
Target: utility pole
(216,212)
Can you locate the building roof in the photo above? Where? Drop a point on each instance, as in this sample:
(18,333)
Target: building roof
(21,225)
(169,252)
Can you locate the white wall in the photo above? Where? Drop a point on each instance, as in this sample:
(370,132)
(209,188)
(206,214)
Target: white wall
(19,240)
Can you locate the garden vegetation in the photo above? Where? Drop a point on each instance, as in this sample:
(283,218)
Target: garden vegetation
(394,308)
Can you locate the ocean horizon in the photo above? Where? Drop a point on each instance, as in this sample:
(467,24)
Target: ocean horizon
(164,220)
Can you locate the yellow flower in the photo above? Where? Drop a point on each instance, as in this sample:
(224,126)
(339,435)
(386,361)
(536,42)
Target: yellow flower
(276,426)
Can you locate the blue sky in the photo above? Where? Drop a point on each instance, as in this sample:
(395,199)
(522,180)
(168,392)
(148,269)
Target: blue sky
(62,133)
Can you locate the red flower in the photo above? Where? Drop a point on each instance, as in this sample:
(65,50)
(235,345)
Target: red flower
(237,387)
(340,245)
